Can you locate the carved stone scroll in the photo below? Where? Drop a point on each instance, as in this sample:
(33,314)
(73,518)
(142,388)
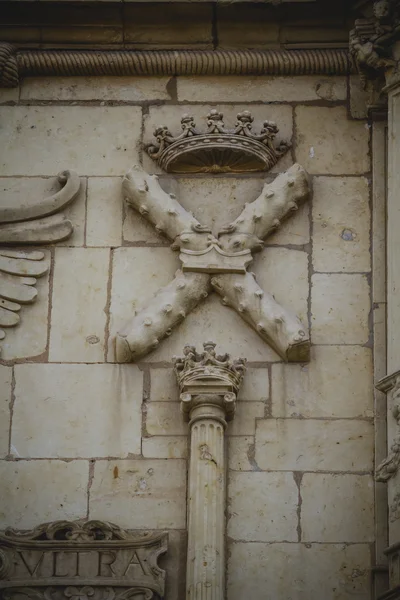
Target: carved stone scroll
(81,561)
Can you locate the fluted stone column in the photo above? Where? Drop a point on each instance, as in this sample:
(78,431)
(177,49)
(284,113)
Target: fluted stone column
(208,385)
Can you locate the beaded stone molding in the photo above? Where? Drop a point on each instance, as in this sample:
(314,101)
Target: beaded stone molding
(218,149)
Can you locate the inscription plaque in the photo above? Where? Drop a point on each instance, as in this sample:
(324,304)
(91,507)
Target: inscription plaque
(68,560)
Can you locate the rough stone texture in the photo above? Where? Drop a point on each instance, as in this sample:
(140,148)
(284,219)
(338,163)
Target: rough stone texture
(80,280)
(266,517)
(339,309)
(143,493)
(165,419)
(55,416)
(314,445)
(240,452)
(165,447)
(341,218)
(38,491)
(329,143)
(337,571)
(325,514)
(245,419)
(255,386)
(104,212)
(5,402)
(326,387)
(127,89)
(88,139)
(262,89)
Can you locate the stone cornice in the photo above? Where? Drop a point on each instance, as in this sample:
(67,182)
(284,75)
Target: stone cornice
(16,64)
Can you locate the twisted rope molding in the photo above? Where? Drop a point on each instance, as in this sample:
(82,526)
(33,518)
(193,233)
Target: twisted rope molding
(24,63)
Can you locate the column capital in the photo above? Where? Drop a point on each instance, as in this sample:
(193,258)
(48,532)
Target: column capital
(208,382)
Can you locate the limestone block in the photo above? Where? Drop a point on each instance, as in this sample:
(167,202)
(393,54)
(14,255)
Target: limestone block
(122,89)
(339,308)
(298,571)
(165,418)
(239,27)
(330,143)
(341,219)
(38,491)
(29,338)
(359,98)
(5,402)
(104,212)
(241,453)
(9,95)
(163,385)
(77,411)
(171,116)
(337,382)
(262,89)
(256,514)
(143,493)
(255,386)
(337,508)
(92,140)
(246,414)
(76,213)
(174,563)
(314,445)
(78,318)
(284,273)
(165,446)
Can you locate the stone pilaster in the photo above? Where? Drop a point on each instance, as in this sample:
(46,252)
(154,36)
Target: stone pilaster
(208,385)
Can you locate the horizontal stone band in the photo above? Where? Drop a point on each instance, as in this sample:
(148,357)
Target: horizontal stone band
(27,63)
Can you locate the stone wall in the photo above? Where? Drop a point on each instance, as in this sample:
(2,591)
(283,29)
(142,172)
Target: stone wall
(84,437)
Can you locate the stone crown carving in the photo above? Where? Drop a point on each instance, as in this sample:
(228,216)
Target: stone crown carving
(218,149)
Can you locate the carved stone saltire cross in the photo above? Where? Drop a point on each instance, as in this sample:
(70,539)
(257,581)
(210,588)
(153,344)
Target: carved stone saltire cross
(215,264)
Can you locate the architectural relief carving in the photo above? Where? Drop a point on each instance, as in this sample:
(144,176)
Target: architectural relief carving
(218,149)
(389,467)
(208,384)
(226,258)
(81,561)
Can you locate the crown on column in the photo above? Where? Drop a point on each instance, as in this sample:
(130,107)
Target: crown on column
(218,149)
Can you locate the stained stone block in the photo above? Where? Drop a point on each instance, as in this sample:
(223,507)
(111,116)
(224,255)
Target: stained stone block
(328,142)
(92,140)
(5,401)
(38,491)
(78,318)
(339,308)
(337,382)
(337,508)
(298,571)
(165,446)
(262,515)
(123,89)
(241,453)
(262,89)
(143,493)
(100,407)
(104,211)
(314,445)
(341,219)
(171,116)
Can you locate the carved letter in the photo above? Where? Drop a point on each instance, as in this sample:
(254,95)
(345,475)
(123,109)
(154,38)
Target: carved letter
(32,571)
(106,560)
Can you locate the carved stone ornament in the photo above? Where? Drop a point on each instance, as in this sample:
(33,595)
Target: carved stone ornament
(67,560)
(28,222)
(215,264)
(390,465)
(218,149)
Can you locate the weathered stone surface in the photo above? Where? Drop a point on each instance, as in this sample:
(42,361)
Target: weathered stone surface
(339,309)
(76,213)
(126,89)
(163,385)
(241,453)
(165,418)
(263,89)
(359,98)
(29,337)
(329,143)
(5,402)
(165,446)
(341,219)
(9,95)
(255,386)
(78,318)
(77,411)
(244,422)
(38,491)
(92,140)
(144,493)
(171,116)
(266,517)
(336,383)
(104,212)
(337,508)
(314,445)
(334,572)
(237,27)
